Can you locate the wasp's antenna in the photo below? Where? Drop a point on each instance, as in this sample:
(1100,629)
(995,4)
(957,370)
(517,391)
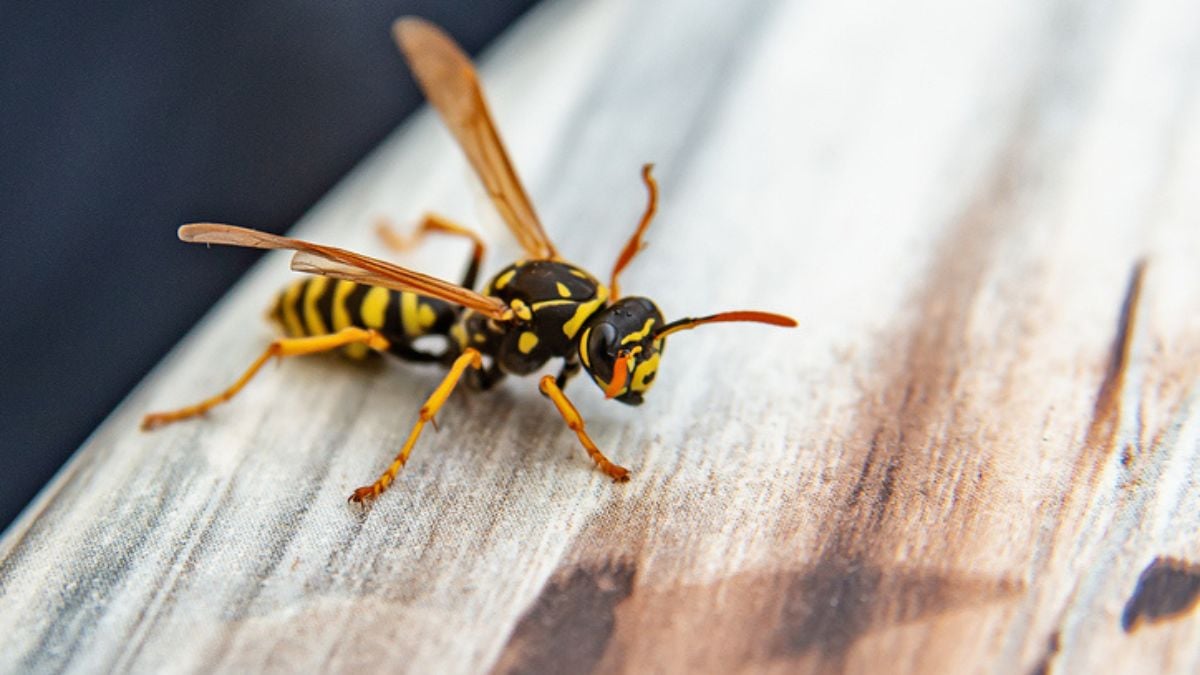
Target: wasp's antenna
(755,317)
(635,242)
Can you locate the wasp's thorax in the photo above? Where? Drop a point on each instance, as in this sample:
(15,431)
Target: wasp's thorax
(623,331)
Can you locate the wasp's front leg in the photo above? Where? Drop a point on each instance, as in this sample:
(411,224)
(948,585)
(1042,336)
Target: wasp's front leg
(571,416)
(570,368)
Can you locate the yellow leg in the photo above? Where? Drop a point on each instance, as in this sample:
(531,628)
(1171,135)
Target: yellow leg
(434,223)
(279,348)
(635,242)
(469,358)
(431,222)
(550,388)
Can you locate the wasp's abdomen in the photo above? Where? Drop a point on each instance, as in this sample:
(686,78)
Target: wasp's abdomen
(320,305)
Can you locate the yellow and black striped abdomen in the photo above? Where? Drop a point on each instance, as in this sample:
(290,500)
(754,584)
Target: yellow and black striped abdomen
(319,305)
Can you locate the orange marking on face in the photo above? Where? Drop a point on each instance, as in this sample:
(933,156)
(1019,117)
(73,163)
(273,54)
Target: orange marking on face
(620,375)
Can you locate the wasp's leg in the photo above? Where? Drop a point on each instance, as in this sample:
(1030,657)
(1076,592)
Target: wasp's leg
(432,222)
(469,358)
(570,368)
(486,377)
(279,348)
(635,242)
(575,422)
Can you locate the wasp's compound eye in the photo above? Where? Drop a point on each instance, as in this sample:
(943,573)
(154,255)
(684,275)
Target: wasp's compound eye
(602,345)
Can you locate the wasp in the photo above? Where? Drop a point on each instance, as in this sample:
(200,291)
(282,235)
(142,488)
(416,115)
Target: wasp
(534,310)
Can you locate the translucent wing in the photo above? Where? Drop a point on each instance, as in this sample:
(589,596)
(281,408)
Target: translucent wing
(451,85)
(342,264)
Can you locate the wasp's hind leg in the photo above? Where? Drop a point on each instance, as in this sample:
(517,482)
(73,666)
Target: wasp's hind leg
(569,414)
(280,348)
(435,223)
(470,358)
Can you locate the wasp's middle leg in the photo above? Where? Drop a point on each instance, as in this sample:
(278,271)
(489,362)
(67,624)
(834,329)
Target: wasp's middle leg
(570,368)
(470,358)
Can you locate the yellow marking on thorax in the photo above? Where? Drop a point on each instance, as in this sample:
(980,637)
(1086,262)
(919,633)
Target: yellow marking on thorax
(551,303)
(521,309)
(374,307)
(634,337)
(291,322)
(585,310)
(527,342)
(580,273)
(562,289)
(459,334)
(312,318)
(502,280)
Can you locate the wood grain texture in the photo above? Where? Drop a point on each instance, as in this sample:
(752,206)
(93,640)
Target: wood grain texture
(977,454)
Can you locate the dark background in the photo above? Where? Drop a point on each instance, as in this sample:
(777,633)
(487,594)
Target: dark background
(121,121)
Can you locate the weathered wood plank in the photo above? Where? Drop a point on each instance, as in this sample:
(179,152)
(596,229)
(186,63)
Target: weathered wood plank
(978,454)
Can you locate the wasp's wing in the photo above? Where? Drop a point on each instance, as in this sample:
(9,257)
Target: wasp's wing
(342,264)
(449,81)
(400,279)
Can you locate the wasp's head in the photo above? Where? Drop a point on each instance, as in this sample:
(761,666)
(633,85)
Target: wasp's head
(620,348)
(623,342)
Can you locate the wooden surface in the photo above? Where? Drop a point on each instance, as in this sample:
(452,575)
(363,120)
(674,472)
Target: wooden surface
(977,454)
